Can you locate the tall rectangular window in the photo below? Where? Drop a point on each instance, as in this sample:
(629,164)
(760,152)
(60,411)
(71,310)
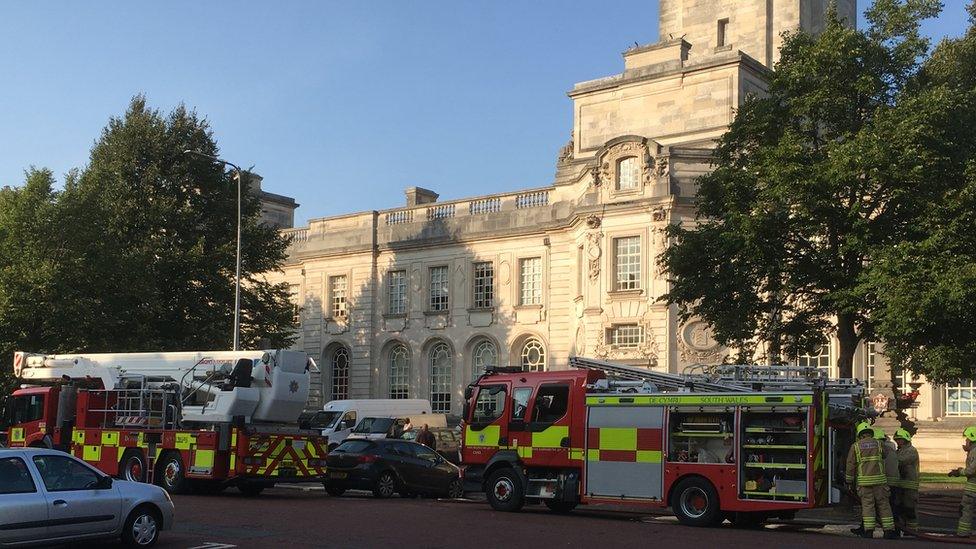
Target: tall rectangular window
(530,273)
(580,270)
(723,29)
(337,291)
(870,359)
(484,285)
(397,284)
(438,288)
(627,262)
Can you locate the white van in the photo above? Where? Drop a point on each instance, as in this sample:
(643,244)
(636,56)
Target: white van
(339,417)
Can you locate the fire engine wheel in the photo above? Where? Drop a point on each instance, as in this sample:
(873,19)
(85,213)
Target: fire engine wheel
(171,475)
(385,486)
(695,503)
(132,467)
(505,492)
(560,506)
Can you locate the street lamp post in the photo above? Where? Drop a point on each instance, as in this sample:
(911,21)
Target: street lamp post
(237,277)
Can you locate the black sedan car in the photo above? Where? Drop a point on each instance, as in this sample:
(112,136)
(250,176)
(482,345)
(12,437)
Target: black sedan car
(391,466)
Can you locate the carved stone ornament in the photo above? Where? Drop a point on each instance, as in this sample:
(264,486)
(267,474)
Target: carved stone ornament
(593,253)
(662,166)
(880,403)
(659,214)
(647,351)
(696,344)
(610,160)
(593,222)
(566,152)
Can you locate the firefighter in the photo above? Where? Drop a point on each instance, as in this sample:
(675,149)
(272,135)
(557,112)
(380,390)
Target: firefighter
(906,501)
(969,493)
(889,455)
(865,462)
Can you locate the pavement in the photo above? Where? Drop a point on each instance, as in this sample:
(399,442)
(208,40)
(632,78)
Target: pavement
(307,517)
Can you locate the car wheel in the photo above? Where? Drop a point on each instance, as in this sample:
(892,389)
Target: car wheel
(133,466)
(171,475)
(141,528)
(456,489)
(251,489)
(332,490)
(385,485)
(695,503)
(505,492)
(560,506)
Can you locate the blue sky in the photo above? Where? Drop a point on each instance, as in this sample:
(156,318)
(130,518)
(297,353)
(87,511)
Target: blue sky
(339,104)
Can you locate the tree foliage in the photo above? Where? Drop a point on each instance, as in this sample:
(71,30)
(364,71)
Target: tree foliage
(809,180)
(137,252)
(926,286)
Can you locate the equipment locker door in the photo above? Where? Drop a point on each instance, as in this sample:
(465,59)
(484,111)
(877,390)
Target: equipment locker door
(623,451)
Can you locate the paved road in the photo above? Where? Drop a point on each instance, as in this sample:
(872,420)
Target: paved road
(286,519)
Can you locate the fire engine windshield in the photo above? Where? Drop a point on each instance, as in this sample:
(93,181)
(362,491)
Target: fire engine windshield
(26,408)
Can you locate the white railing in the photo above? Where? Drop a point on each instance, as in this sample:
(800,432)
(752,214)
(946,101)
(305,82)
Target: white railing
(298,235)
(401,216)
(532,199)
(485,205)
(442,211)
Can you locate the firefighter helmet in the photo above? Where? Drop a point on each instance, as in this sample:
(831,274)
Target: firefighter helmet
(879,433)
(970,433)
(904,435)
(863,426)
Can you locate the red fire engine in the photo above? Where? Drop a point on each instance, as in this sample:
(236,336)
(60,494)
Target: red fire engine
(743,443)
(201,420)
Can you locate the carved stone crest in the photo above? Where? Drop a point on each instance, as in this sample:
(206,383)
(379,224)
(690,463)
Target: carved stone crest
(593,253)
(696,344)
(658,214)
(593,222)
(662,166)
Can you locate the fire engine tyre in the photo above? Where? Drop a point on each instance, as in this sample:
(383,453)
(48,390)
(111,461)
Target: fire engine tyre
(141,528)
(132,466)
(505,491)
(695,503)
(560,506)
(386,485)
(171,475)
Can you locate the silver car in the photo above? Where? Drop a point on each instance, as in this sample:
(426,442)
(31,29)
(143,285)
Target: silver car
(47,496)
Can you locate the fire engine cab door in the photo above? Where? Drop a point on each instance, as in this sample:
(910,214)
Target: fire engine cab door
(623,451)
(488,429)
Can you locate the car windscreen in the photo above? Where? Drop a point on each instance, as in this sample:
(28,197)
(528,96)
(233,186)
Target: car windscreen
(374,425)
(353,447)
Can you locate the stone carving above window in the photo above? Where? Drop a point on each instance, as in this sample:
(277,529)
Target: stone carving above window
(610,164)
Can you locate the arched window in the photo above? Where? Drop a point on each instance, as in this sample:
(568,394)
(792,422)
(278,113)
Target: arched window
(441,379)
(627,176)
(533,356)
(340,374)
(485,356)
(399,372)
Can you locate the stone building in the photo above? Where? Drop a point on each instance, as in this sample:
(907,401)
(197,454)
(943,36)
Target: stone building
(415,301)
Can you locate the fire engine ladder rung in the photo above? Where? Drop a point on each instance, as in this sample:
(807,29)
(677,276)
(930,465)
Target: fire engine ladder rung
(661,379)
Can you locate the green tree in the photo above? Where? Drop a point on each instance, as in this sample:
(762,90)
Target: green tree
(809,179)
(926,286)
(137,252)
(162,229)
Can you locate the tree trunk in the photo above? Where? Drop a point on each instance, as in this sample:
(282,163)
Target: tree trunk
(848,339)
